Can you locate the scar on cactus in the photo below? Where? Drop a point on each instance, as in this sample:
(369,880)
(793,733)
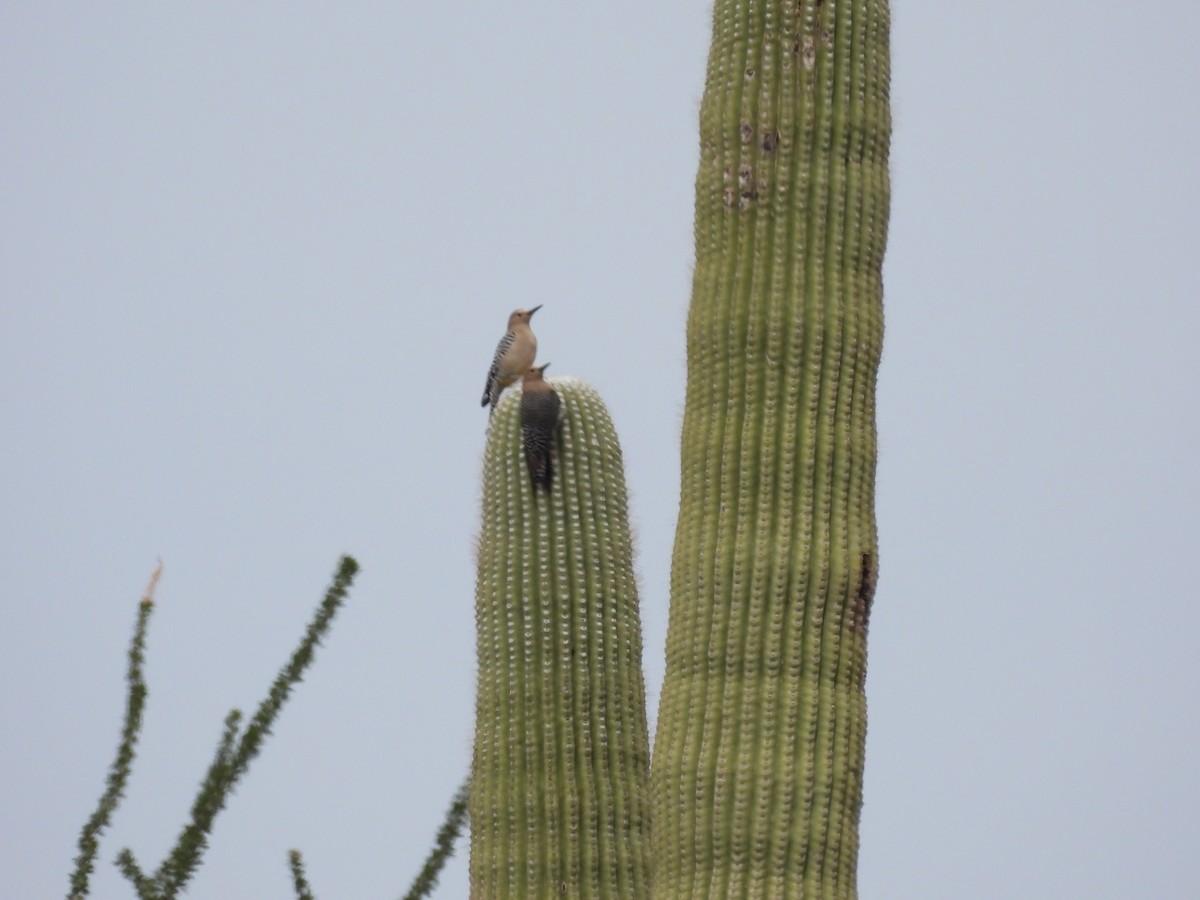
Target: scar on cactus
(865,594)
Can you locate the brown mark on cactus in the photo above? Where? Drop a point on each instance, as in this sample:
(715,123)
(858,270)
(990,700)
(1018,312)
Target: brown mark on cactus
(746,131)
(860,611)
(770,140)
(750,73)
(808,52)
(745,175)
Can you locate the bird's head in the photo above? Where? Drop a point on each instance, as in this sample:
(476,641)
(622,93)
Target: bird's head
(522,316)
(535,372)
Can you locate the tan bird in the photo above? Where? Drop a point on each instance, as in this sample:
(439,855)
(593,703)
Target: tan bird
(541,411)
(514,355)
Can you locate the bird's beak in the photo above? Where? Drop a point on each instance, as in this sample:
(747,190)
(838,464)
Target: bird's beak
(545,366)
(536,308)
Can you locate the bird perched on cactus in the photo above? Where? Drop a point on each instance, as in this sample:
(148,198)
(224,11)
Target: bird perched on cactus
(541,411)
(514,355)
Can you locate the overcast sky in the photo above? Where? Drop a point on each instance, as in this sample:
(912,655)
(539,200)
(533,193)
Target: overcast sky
(254,259)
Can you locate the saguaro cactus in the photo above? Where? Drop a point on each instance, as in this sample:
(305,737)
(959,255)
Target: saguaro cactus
(757,771)
(560,781)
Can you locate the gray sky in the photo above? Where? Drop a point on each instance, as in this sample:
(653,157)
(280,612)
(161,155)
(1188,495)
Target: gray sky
(254,260)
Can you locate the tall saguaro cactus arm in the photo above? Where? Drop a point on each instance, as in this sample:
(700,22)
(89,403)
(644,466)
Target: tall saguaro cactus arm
(559,797)
(757,772)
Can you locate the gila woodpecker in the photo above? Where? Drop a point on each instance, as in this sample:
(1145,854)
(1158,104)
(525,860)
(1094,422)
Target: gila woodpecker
(540,410)
(514,355)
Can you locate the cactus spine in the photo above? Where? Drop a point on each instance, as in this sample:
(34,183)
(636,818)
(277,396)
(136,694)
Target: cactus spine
(560,803)
(758,760)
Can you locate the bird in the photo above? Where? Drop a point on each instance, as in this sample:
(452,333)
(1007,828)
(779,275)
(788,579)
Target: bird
(514,355)
(541,410)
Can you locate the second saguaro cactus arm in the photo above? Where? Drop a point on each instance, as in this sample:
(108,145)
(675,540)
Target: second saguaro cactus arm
(758,761)
(559,798)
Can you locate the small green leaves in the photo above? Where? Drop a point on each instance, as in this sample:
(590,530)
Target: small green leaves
(118,775)
(235,750)
(299,880)
(443,847)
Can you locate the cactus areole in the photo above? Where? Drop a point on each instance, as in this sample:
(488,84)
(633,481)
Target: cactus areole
(758,757)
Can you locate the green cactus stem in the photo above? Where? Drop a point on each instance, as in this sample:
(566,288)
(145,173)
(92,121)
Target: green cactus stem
(560,798)
(758,760)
